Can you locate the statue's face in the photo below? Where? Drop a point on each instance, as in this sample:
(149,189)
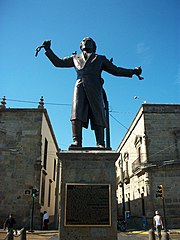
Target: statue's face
(88,45)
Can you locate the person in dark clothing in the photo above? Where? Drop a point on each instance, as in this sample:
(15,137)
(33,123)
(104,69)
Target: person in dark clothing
(10,223)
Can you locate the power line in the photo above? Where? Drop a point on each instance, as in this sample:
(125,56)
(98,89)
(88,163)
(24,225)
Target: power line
(118,121)
(48,103)
(162,150)
(66,104)
(121,124)
(57,104)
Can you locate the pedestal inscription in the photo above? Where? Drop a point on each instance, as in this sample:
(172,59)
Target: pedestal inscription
(87,205)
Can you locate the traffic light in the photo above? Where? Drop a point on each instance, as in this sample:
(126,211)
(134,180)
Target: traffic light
(34,193)
(160,191)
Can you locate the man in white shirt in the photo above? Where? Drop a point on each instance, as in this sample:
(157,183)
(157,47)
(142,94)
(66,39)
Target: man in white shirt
(45,220)
(158,224)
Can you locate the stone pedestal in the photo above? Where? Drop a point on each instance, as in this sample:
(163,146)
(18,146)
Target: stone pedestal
(88,207)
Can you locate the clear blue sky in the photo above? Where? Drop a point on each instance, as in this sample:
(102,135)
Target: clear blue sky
(133,32)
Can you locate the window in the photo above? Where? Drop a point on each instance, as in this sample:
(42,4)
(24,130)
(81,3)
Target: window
(49,193)
(138,143)
(43,185)
(54,170)
(126,158)
(126,173)
(139,154)
(45,153)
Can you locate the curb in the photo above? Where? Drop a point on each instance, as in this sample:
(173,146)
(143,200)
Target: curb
(36,232)
(173,231)
(43,232)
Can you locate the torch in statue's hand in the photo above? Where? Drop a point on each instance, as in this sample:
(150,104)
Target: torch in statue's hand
(46,45)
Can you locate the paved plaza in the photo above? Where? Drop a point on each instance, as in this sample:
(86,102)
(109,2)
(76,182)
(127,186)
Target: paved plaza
(53,235)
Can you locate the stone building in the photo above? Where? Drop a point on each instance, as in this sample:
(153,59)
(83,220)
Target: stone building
(28,160)
(150,156)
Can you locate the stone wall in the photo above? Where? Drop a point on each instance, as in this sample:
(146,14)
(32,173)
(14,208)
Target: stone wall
(21,155)
(158,127)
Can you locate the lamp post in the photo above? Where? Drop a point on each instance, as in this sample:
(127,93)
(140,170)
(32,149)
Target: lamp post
(160,194)
(34,194)
(32,216)
(164,215)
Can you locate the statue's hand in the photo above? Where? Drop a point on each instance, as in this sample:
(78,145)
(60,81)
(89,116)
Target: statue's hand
(47,44)
(137,71)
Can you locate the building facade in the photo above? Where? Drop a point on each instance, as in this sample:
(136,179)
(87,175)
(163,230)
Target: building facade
(28,160)
(150,156)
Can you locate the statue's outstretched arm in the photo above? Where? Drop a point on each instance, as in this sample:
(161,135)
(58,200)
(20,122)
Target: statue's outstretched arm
(109,67)
(56,61)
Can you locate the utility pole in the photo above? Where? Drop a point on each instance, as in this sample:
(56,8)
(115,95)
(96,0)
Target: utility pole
(164,215)
(34,194)
(32,216)
(160,194)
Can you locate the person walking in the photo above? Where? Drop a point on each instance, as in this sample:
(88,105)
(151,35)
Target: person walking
(10,225)
(45,220)
(158,223)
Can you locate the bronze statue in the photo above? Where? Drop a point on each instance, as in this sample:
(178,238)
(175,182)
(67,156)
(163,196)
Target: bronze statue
(87,103)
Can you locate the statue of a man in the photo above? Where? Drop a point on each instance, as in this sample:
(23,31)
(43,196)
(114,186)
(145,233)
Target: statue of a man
(88,103)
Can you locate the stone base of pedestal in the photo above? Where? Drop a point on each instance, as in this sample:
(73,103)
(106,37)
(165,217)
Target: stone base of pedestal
(88,207)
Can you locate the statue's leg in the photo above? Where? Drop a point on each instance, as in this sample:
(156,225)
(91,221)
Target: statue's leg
(99,133)
(76,133)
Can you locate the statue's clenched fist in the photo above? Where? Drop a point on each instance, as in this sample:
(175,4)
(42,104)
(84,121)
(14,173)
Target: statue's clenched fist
(137,71)
(47,44)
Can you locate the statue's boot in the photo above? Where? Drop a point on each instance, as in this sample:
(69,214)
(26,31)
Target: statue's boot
(77,133)
(99,133)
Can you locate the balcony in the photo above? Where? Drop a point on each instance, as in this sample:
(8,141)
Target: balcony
(136,165)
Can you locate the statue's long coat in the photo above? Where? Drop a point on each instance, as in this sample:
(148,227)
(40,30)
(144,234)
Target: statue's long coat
(88,96)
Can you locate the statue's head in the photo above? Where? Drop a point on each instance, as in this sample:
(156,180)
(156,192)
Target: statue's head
(88,44)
